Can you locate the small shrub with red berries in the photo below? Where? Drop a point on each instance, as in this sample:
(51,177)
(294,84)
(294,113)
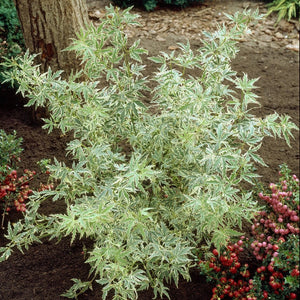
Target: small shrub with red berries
(14,189)
(272,250)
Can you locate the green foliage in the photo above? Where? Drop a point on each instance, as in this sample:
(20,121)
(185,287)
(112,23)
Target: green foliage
(146,186)
(152,4)
(11,36)
(10,150)
(285,8)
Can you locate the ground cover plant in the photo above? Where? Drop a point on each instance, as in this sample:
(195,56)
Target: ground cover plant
(14,189)
(147,187)
(10,149)
(274,242)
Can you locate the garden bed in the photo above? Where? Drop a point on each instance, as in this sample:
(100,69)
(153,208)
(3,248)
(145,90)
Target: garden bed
(44,272)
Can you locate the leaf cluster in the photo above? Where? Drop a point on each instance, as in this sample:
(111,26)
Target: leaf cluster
(287,9)
(146,185)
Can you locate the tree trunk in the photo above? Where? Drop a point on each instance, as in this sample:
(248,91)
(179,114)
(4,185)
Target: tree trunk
(48,27)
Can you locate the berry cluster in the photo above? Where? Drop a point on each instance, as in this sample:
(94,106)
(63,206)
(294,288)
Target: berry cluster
(274,242)
(232,277)
(14,191)
(18,187)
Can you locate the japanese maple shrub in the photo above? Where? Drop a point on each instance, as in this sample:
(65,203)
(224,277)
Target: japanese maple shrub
(274,244)
(147,186)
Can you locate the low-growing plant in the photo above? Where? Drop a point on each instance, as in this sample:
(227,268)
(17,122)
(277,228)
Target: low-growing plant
(146,186)
(14,190)
(274,244)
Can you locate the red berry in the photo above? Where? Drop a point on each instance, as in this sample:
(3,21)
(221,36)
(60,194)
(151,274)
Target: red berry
(295,272)
(223,280)
(237,265)
(240,242)
(270,268)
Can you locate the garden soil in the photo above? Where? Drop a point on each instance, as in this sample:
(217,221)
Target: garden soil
(270,52)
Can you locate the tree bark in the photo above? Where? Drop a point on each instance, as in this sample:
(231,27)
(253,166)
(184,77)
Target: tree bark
(48,27)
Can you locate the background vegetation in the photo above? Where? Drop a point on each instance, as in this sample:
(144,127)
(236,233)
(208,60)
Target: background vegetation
(11,36)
